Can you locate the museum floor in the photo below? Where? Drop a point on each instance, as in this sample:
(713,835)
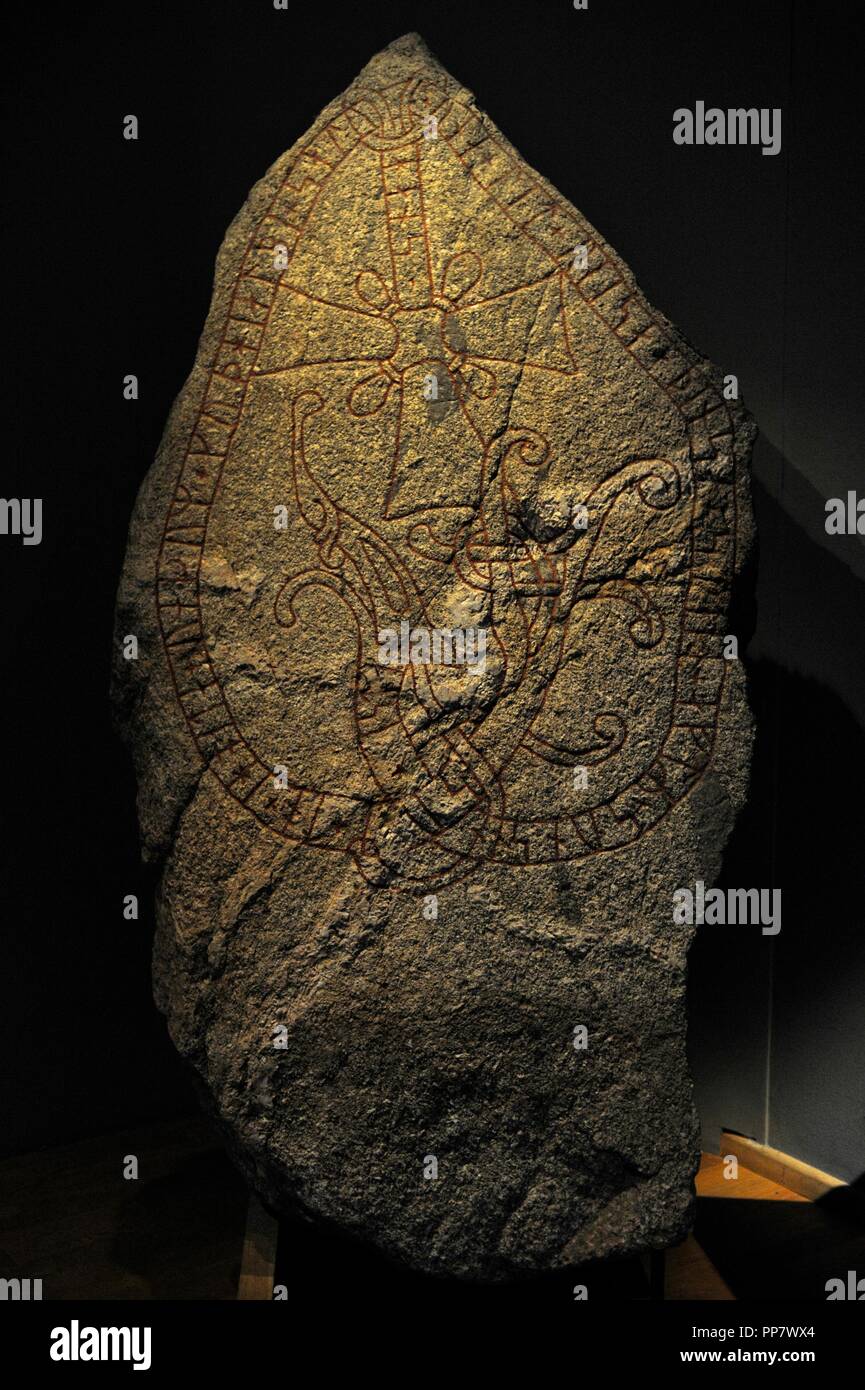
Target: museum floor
(68,1216)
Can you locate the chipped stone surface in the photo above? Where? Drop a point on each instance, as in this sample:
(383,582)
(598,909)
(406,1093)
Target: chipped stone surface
(383,250)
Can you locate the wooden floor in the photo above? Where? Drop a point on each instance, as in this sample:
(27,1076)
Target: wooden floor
(690,1272)
(748,1186)
(70,1217)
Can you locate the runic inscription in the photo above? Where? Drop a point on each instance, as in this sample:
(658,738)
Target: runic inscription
(466,502)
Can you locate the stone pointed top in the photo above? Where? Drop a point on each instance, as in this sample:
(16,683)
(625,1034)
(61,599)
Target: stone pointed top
(392,62)
(413,43)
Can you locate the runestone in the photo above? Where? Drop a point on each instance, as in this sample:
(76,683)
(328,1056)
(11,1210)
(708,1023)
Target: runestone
(414,926)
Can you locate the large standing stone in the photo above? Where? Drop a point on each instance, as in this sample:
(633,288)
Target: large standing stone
(389,896)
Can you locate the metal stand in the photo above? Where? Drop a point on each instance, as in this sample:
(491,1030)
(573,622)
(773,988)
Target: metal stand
(654,1264)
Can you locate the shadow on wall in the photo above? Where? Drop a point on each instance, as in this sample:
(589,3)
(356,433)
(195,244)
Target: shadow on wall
(810,586)
(777,1025)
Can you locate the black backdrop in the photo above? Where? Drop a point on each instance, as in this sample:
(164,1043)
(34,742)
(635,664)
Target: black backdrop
(108,272)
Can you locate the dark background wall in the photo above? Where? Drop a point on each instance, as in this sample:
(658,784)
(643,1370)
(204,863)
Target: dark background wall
(757,259)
